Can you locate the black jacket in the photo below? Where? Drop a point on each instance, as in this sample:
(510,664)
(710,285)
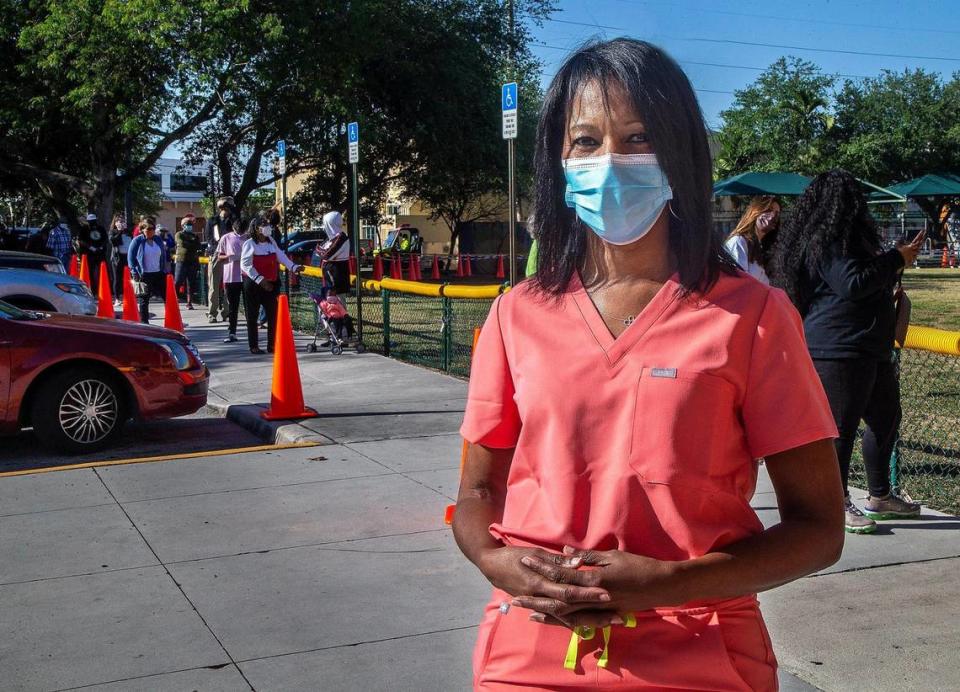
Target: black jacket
(851,313)
(209,237)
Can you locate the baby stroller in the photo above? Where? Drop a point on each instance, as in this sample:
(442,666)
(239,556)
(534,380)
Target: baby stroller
(334,322)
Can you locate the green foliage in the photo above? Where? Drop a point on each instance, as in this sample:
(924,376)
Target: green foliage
(899,126)
(781,122)
(98,86)
(427,101)
(888,129)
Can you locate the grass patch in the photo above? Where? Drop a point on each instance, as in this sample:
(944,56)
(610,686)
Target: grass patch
(935,295)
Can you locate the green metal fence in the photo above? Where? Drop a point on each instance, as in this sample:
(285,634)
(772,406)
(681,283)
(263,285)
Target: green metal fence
(437,332)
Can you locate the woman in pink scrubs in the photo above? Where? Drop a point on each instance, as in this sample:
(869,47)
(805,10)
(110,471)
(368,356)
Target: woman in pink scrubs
(618,407)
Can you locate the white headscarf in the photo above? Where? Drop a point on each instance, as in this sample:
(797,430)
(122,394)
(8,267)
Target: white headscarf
(332,224)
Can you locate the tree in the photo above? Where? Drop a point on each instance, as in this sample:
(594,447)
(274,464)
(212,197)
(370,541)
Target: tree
(900,126)
(781,122)
(426,100)
(94,91)
(464,176)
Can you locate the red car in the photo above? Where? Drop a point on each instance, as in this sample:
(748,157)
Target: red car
(76,380)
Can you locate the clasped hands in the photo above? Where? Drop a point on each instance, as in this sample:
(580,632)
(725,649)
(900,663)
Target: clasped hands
(579,588)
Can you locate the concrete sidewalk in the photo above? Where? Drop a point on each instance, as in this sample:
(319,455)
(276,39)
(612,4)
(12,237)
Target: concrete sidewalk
(329,567)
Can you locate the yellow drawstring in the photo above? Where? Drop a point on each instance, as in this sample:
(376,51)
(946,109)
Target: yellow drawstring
(586,634)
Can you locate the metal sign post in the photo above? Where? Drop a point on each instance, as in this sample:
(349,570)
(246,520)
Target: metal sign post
(509,106)
(353,143)
(282,164)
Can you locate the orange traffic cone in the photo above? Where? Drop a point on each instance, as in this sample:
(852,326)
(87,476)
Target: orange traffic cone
(468,266)
(395,268)
(500,273)
(130,311)
(448,514)
(459,266)
(171,312)
(943,259)
(435,270)
(419,269)
(412,269)
(85,272)
(378,268)
(74,266)
(286,394)
(104,295)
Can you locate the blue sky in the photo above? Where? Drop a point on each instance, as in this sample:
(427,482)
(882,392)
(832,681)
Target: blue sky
(699,31)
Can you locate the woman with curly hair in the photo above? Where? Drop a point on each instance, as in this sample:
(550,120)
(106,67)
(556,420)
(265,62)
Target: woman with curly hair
(830,261)
(751,242)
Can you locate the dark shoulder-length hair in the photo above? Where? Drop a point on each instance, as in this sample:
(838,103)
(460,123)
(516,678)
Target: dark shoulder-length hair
(661,94)
(831,216)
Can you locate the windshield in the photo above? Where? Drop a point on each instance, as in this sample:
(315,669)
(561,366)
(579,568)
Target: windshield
(10,312)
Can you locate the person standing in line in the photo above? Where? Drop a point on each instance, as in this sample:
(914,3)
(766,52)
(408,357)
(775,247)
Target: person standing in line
(120,240)
(335,253)
(187,258)
(148,260)
(37,242)
(166,237)
(751,242)
(229,251)
(93,243)
(8,241)
(831,262)
(218,226)
(60,243)
(260,261)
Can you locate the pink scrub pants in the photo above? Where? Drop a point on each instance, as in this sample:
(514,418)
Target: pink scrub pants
(724,648)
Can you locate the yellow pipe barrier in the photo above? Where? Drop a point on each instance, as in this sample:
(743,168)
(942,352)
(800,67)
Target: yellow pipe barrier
(921,338)
(474,292)
(935,340)
(414,287)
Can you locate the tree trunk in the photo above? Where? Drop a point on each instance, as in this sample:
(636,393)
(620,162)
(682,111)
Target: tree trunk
(932,207)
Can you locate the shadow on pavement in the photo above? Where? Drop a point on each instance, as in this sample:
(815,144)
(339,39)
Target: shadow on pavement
(138,439)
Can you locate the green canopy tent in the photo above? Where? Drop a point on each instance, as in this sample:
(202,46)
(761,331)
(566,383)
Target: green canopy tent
(930,185)
(757,183)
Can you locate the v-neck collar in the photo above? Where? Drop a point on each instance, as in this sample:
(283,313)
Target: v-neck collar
(616,347)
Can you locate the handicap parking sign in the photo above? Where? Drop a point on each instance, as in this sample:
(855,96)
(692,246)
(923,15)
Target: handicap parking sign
(509,97)
(508,101)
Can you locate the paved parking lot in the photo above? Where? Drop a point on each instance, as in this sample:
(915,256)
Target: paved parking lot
(201,432)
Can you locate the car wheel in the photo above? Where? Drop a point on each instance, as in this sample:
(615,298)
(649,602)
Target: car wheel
(78,410)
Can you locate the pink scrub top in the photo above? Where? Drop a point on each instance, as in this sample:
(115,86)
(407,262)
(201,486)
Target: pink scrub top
(648,443)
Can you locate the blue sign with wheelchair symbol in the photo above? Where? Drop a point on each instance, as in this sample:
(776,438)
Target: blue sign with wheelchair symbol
(353,132)
(509,96)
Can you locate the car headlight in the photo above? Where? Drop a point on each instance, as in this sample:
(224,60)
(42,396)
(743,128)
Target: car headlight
(177,351)
(74,289)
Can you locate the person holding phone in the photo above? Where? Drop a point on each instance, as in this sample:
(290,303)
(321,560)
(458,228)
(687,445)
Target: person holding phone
(260,261)
(831,263)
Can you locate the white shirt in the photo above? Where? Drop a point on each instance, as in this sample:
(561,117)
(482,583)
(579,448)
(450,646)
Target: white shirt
(738,248)
(251,247)
(152,255)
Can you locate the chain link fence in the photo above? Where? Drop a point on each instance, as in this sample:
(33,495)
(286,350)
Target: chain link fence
(437,332)
(926,461)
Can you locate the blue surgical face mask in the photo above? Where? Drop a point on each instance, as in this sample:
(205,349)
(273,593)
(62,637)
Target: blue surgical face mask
(619,196)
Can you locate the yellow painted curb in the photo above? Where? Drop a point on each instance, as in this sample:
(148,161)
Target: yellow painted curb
(165,457)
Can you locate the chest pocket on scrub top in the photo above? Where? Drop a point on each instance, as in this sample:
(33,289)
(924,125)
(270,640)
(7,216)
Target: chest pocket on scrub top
(682,425)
